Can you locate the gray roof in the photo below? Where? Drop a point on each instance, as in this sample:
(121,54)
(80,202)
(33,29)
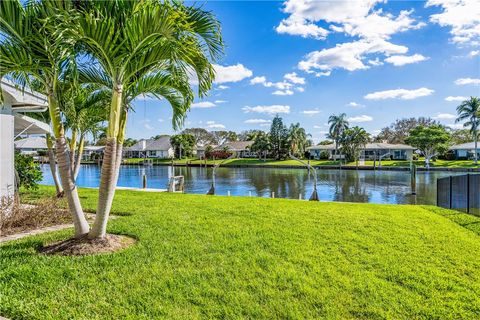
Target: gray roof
(162,143)
(464,146)
(31,143)
(236,145)
(94,148)
(368,146)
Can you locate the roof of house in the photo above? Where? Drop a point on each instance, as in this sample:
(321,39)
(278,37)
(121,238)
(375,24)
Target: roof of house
(464,146)
(23,99)
(162,143)
(93,148)
(368,146)
(236,145)
(31,143)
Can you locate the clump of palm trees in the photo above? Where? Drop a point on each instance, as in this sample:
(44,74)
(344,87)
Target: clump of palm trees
(121,49)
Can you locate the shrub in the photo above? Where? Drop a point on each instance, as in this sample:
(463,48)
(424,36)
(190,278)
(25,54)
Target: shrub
(218,154)
(28,172)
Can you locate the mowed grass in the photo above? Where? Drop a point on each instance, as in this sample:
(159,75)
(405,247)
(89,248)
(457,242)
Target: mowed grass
(289,163)
(231,257)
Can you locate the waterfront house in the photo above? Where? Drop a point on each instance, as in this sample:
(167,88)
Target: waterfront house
(241,148)
(150,148)
(371,151)
(465,151)
(31,145)
(92,153)
(13,124)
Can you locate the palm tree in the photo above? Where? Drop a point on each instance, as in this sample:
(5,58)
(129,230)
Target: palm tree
(297,138)
(470,110)
(32,50)
(338,124)
(135,56)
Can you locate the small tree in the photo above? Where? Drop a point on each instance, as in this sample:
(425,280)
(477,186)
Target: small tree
(278,138)
(27,172)
(183,145)
(429,140)
(261,145)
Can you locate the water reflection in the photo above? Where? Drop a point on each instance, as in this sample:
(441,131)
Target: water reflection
(333,185)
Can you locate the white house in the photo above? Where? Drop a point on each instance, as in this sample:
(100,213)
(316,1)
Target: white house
(13,124)
(241,148)
(151,148)
(31,145)
(92,153)
(465,151)
(370,152)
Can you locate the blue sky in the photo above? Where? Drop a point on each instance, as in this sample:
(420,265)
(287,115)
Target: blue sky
(377,61)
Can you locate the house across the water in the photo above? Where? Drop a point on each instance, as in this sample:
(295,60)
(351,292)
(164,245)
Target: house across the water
(241,148)
(465,151)
(31,145)
(92,153)
(370,152)
(150,148)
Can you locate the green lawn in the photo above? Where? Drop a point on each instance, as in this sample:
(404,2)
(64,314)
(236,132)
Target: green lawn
(233,257)
(270,162)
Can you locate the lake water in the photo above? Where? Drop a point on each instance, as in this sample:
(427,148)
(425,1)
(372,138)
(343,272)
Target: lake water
(333,185)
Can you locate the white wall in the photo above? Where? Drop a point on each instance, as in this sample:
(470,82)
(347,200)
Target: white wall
(6,152)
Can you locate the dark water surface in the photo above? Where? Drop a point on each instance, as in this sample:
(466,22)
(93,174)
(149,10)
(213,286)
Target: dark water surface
(333,185)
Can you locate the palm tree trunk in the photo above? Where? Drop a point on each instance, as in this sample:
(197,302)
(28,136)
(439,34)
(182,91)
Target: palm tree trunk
(53,166)
(109,175)
(64,167)
(78,161)
(73,147)
(475,138)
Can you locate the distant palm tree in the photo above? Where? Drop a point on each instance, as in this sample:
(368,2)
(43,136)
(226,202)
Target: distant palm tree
(338,124)
(470,110)
(297,138)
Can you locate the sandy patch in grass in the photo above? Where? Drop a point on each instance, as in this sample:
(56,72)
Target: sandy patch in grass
(84,246)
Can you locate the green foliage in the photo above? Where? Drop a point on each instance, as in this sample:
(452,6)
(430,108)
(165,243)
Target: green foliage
(430,140)
(28,172)
(183,145)
(353,141)
(278,138)
(297,140)
(261,144)
(129,142)
(398,131)
(241,257)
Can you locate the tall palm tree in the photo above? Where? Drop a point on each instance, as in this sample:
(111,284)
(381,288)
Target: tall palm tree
(470,110)
(30,50)
(338,124)
(135,56)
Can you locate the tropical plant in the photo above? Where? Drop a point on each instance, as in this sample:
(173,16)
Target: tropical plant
(429,140)
(261,145)
(202,136)
(31,49)
(221,136)
(278,138)
(27,171)
(183,145)
(470,110)
(148,47)
(353,141)
(338,124)
(297,139)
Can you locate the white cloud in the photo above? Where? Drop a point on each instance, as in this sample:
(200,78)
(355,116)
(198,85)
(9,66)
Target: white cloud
(203,105)
(301,28)
(455,126)
(160,120)
(403,94)
(222,87)
(311,112)
(464,81)
(220,101)
(349,56)
(462,16)
(294,78)
(444,116)
(474,53)
(399,60)
(300,89)
(257,121)
(148,126)
(358,119)
(273,109)
(355,105)
(283,92)
(234,73)
(213,125)
(455,98)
